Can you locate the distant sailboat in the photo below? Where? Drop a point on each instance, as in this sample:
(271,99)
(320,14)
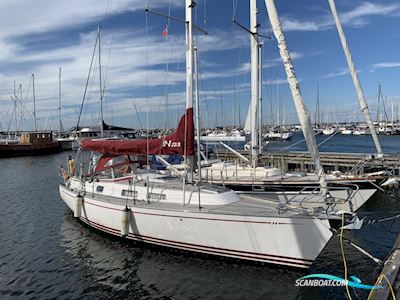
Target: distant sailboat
(36,142)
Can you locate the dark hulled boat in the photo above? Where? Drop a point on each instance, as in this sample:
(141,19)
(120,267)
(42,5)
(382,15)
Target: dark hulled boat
(31,143)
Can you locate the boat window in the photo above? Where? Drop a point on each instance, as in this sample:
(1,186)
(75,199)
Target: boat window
(99,189)
(156,196)
(128,193)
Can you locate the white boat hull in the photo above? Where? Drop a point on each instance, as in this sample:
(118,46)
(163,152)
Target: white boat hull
(291,241)
(223,138)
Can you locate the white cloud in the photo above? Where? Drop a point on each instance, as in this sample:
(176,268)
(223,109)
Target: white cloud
(341,72)
(356,17)
(368,9)
(128,70)
(385,65)
(290,24)
(21,17)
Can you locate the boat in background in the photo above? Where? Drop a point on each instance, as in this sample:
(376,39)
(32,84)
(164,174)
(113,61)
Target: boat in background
(31,143)
(70,139)
(359,132)
(345,131)
(278,136)
(328,131)
(222,135)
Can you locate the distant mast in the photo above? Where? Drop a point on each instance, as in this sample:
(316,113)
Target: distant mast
(59,103)
(260,148)
(34,101)
(317,113)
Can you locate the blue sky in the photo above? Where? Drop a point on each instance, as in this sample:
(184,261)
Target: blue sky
(46,35)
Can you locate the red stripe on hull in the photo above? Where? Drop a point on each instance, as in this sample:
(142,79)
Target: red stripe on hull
(289,261)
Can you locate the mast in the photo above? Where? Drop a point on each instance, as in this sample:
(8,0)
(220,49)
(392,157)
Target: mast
(34,101)
(254,81)
(21,120)
(189,5)
(15,108)
(59,103)
(100,85)
(302,112)
(278,105)
(220,97)
(378,117)
(334,101)
(361,98)
(260,96)
(317,115)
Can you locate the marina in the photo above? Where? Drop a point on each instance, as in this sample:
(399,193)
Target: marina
(186,175)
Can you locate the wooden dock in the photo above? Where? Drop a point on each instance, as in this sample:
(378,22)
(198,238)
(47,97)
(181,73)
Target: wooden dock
(350,163)
(389,277)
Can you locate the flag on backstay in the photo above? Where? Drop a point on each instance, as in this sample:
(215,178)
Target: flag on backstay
(164,33)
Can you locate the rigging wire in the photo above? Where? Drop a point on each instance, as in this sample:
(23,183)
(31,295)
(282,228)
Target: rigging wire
(167,27)
(236,71)
(51,108)
(91,89)
(234,8)
(87,82)
(111,43)
(205,12)
(91,75)
(147,93)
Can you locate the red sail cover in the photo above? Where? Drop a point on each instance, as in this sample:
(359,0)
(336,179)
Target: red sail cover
(174,143)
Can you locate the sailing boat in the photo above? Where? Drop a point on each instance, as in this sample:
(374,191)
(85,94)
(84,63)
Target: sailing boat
(119,198)
(70,139)
(37,142)
(278,132)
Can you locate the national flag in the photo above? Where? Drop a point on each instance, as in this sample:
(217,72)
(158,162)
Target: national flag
(165,32)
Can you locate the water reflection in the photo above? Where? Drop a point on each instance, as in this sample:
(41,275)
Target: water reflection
(111,267)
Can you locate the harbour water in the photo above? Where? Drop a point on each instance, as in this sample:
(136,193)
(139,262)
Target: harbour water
(46,254)
(336,143)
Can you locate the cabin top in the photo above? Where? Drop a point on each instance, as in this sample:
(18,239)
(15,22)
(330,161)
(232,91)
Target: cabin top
(36,137)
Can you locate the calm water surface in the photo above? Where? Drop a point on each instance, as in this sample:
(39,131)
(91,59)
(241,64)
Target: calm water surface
(337,143)
(46,254)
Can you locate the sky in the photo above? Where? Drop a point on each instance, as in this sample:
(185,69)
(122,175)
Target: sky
(143,73)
